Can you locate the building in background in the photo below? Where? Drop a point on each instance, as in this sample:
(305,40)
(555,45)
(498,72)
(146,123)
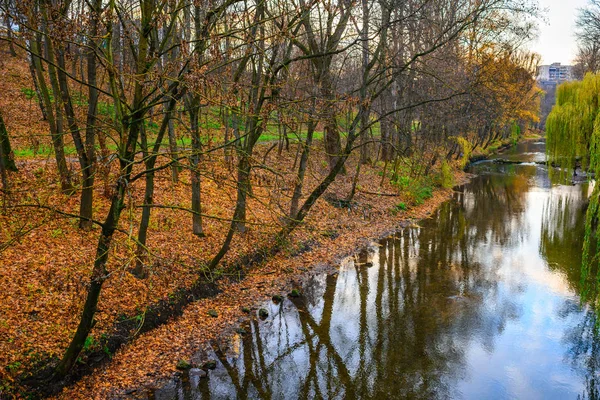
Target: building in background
(555,73)
(549,77)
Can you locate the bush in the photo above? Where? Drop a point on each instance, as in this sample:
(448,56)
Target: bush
(422,193)
(402,182)
(446,176)
(29,93)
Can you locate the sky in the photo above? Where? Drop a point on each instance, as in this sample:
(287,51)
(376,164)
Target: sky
(556,41)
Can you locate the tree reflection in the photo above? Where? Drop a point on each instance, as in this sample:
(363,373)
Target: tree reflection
(560,245)
(584,352)
(563,231)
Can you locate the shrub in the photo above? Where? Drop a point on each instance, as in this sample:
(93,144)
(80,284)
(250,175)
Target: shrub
(422,193)
(402,182)
(446,176)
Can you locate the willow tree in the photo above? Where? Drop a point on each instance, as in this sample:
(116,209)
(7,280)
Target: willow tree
(571,124)
(573,135)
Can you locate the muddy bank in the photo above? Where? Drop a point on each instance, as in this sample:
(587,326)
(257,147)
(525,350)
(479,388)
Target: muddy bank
(474,158)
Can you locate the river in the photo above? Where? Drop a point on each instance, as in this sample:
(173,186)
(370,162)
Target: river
(478,302)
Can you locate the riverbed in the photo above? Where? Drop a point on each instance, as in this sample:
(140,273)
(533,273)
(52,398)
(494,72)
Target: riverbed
(479,301)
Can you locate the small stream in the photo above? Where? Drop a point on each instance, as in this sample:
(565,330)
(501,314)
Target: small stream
(478,302)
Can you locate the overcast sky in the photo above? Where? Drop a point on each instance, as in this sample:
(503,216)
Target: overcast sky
(556,42)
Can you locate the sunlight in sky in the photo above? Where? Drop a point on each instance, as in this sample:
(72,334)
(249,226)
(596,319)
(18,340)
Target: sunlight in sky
(556,42)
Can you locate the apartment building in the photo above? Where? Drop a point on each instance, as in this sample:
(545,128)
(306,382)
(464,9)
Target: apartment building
(555,72)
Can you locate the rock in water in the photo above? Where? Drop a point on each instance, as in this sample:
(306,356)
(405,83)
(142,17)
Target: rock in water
(183,364)
(210,364)
(263,313)
(198,372)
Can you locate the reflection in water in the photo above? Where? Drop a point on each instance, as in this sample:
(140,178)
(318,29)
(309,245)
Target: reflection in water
(479,302)
(563,231)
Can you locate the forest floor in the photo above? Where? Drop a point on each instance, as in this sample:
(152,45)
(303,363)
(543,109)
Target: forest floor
(46,261)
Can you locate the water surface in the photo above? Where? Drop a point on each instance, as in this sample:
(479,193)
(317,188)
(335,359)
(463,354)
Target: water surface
(478,302)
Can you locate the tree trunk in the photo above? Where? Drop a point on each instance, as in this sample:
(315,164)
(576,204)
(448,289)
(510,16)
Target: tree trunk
(83,150)
(139,270)
(227,139)
(3,176)
(99,275)
(87,190)
(142,251)
(333,142)
(173,149)
(128,138)
(55,133)
(9,32)
(302,169)
(239,214)
(37,88)
(194,112)
(364,122)
(7,156)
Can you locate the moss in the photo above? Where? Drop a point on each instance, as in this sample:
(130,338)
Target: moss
(277,299)
(183,365)
(210,364)
(446,175)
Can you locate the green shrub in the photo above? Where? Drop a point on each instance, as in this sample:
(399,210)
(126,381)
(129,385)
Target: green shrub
(446,176)
(402,182)
(29,93)
(89,344)
(422,193)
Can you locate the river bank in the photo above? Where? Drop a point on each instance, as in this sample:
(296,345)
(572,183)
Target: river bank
(501,146)
(153,356)
(481,300)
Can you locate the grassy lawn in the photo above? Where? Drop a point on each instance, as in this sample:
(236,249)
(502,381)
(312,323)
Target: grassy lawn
(210,121)
(271,134)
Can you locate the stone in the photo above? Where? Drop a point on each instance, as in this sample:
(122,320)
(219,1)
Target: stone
(210,364)
(198,372)
(277,299)
(183,364)
(241,331)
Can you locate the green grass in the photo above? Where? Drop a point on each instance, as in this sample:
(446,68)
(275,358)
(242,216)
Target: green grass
(28,152)
(209,121)
(400,207)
